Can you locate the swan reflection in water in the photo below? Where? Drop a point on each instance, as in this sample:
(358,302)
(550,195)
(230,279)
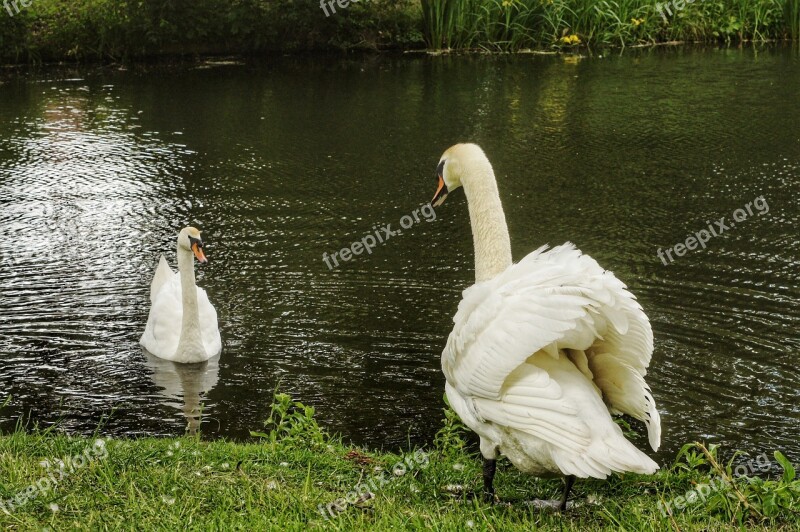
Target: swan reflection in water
(184,385)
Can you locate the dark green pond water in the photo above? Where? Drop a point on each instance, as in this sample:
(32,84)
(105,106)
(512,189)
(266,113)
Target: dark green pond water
(281,162)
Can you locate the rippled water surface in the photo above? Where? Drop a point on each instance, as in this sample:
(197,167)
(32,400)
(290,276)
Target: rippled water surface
(281,162)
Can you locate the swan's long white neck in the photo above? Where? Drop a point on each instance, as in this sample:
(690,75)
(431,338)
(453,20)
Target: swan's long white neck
(489,230)
(190,345)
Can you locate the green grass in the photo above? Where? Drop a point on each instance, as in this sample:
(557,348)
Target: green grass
(504,25)
(279,480)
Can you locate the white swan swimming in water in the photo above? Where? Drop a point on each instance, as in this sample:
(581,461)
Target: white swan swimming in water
(182,325)
(544,351)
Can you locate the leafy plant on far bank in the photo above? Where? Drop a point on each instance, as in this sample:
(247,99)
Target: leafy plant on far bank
(792,15)
(508,25)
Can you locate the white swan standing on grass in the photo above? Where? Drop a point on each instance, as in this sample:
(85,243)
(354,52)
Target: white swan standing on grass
(544,351)
(182,326)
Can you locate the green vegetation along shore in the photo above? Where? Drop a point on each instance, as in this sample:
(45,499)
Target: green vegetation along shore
(33,31)
(293,476)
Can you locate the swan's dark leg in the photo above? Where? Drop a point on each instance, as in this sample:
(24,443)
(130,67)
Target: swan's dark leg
(570,480)
(489,468)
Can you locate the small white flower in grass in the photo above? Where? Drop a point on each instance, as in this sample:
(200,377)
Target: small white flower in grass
(458,467)
(207,468)
(399,471)
(454,488)
(169,453)
(272,485)
(284,464)
(176,445)
(168,500)
(45,463)
(414,488)
(100,444)
(53,507)
(198,473)
(226,465)
(470,524)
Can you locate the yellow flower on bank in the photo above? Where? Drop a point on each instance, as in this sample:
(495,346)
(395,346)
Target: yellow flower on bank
(570,39)
(637,21)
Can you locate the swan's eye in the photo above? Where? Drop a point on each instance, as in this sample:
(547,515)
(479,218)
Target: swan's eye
(195,242)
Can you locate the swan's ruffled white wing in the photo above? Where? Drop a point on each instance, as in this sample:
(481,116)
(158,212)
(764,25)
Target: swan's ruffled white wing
(212,340)
(163,275)
(551,300)
(163,330)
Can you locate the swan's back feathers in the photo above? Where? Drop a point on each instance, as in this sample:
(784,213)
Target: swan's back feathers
(562,303)
(163,275)
(163,331)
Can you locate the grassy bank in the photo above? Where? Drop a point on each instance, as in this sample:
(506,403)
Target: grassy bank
(286,478)
(54,30)
(516,24)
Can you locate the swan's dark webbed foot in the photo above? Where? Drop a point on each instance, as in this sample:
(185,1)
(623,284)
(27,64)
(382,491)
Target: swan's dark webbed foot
(489,469)
(569,480)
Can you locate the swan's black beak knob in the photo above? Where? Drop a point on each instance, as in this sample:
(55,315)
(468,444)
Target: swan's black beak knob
(197,248)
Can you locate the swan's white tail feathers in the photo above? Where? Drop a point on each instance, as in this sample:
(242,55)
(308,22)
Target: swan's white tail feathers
(619,456)
(625,388)
(163,274)
(653,423)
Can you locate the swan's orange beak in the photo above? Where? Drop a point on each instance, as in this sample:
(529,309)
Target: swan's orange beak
(198,252)
(441,193)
